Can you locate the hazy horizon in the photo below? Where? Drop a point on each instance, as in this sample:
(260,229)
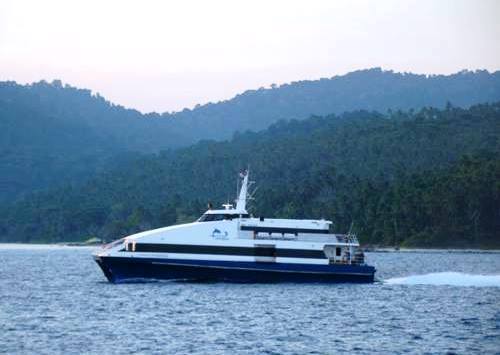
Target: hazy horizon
(162,57)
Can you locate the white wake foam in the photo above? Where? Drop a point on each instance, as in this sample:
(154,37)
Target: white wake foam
(448,278)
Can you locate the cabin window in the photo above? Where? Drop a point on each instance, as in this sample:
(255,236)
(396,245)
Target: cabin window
(338,252)
(220,216)
(211,217)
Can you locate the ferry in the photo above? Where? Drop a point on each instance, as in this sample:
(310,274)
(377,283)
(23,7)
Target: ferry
(231,245)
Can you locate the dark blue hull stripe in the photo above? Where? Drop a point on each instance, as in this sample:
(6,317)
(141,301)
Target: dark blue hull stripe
(229,250)
(118,268)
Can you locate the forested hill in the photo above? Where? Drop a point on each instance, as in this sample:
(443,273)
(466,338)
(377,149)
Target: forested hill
(52,134)
(424,178)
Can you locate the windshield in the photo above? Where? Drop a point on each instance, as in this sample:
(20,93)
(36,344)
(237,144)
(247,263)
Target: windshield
(221,216)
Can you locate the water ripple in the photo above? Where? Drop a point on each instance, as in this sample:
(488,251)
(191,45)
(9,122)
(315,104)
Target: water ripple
(54,301)
(448,279)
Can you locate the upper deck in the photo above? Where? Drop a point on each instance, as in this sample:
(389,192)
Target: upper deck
(302,225)
(299,230)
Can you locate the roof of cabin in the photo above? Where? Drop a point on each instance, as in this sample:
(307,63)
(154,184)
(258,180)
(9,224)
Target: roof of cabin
(224,211)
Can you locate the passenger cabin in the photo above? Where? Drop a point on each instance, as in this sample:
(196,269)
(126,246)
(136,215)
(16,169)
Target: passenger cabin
(251,227)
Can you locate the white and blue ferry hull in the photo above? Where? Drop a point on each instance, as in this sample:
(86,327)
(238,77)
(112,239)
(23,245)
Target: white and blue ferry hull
(122,269)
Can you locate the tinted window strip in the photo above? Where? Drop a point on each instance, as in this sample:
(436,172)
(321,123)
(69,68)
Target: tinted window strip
(219,250)
(284,230)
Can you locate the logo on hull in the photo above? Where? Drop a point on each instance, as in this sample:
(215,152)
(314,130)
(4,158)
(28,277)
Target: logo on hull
(217,234)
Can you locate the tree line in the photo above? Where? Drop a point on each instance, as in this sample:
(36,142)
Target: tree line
(52,134)
(425,178)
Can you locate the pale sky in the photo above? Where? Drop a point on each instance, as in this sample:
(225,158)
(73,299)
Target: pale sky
(170,54)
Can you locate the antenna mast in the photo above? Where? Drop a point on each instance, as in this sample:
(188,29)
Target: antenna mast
(241,201)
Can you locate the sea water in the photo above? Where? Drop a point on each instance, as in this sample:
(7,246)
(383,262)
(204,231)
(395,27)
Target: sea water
(56,300)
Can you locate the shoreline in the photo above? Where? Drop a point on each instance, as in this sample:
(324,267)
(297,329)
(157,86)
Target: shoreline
(15,245)
(432,250)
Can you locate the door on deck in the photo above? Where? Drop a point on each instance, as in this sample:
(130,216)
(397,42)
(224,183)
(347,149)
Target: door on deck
(265,253)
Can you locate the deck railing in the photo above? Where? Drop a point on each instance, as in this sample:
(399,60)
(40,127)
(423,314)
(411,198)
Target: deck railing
(347,238)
